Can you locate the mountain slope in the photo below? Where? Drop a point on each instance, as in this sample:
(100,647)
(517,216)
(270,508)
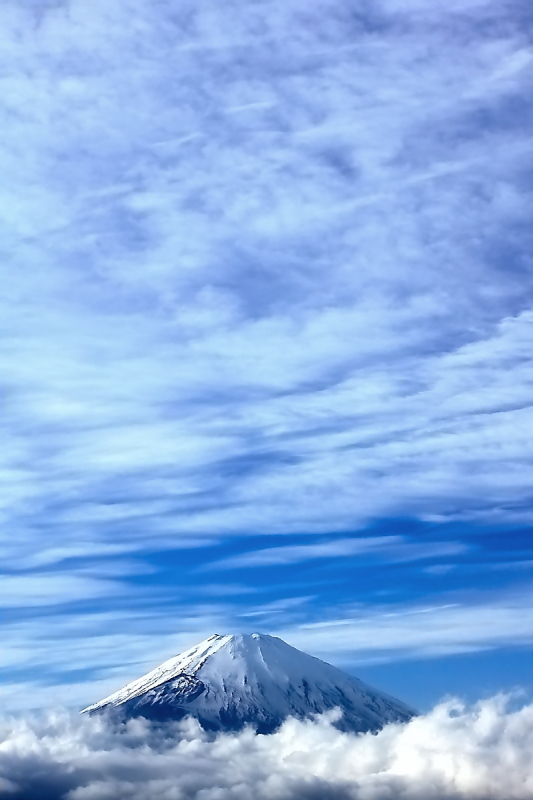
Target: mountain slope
(229,681)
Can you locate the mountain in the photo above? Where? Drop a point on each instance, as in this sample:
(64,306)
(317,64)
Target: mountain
(229,681)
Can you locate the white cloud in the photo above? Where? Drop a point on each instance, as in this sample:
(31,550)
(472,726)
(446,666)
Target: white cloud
(265,273)
(478,752)
(388,548)
(52,588)
(416,631)
(277,305)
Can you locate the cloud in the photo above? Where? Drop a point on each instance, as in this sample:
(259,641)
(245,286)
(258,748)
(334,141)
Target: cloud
(52,588)
(74,658)
(276,607)
(417,631)
(298,274)
(265,273)
(453,752)
(388,548)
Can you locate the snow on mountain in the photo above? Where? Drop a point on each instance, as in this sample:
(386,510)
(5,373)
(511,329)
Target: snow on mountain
(229,681)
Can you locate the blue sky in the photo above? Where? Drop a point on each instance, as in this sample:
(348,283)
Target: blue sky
(267,326)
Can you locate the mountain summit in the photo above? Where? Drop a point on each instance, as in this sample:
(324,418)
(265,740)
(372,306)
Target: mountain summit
(229,681)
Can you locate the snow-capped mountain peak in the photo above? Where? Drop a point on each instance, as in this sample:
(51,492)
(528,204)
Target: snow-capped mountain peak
(229,681)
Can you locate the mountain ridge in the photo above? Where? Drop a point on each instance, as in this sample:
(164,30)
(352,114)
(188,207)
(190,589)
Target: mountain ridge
(228,681)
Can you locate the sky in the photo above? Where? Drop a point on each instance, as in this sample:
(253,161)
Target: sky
(267,339)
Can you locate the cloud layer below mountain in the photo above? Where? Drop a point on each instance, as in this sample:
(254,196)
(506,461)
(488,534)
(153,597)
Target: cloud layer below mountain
(452,752)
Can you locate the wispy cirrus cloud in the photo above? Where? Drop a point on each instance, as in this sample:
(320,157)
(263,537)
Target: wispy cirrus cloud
(21,591)
(419,630)
(268,273)
(228,303)
(388,548)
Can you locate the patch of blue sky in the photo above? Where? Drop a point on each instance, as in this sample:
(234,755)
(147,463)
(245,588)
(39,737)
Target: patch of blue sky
(373,607)
(268,306)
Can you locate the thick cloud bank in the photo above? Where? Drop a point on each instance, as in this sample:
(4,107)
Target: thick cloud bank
(453,752)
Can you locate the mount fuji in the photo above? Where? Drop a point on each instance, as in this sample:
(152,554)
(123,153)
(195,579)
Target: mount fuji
(226,682)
